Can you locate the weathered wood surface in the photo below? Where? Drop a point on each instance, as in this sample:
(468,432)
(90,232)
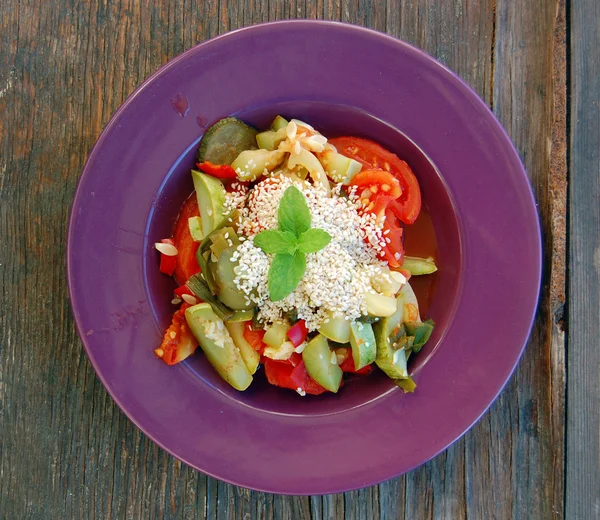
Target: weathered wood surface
(583,411)
(66,450)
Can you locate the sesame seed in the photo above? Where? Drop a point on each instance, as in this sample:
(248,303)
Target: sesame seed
(175,301)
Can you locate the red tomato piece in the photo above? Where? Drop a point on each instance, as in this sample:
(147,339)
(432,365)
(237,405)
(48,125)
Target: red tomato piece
(178,342)
(254,337)
(298,333)
(187,265)
(378,182)
(373,155)
(278,373)
(220,171)
(167,263)
(348,366)
(300,378)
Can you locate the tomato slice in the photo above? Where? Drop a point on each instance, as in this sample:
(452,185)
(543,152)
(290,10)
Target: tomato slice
(178,342)
(300,378)
(286,375)
(373,155)
(187,265)
(379,183)
(392,229)
(254,337)
(278,373)
(348,365)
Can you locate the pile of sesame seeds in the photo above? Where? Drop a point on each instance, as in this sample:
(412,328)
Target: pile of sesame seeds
(336,278)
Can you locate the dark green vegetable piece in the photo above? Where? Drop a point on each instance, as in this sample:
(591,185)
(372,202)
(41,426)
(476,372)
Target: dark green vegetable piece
(225,140)
(421,333)
(198,286)
(408,385)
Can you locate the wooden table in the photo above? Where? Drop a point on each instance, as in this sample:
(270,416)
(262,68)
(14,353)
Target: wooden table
(66,450)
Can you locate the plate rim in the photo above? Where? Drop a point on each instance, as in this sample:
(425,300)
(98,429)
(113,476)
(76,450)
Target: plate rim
(199,48)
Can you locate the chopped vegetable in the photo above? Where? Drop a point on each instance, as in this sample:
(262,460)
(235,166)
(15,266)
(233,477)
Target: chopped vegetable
(278,265)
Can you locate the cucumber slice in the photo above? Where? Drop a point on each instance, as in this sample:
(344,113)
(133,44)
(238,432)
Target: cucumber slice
(270,139)
(421,332)
(210,193)
(340,168)
(407,301)
(219,348)
(389,359)
(317,360)
(276,334)
(418,266)
(250,356)
(336,329)
(250,164)
(195,227)
(362,341)
(224,141)
(241,316)
(279,123)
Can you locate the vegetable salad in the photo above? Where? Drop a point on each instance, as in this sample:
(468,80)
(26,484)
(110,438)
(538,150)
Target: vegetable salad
(289,254)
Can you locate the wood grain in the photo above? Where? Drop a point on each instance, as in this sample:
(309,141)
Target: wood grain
(66,450)
(583,414)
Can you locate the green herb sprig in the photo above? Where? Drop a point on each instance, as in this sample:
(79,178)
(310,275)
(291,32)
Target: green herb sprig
(290,243)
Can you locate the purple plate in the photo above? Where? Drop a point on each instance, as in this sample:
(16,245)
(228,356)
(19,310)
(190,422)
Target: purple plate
(268,439)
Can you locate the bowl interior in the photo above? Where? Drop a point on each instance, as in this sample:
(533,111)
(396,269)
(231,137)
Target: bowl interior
(332,120)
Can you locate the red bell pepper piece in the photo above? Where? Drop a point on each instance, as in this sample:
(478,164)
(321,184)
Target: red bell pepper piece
(220,171)
(183,289)
(167,263)
(298,333)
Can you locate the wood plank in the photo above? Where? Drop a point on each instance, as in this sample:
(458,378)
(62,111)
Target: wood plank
(583,408)
(66,450)
(515,454)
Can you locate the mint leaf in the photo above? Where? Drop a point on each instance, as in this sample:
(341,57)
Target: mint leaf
(285,274)
(275,241)
(313,240)
(293,213)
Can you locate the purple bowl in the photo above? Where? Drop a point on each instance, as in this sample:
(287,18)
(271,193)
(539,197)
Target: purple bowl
(137,176)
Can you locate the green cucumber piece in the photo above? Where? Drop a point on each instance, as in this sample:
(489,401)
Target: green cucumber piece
(224,141)
(336,329)
(276,334)
(234,299)
(270,139)
(195,227)
(407,384)
(421,333)
(364,346)
(210,193)
(339,168)
(219,348)
(241,316)
(406,300)
(250,356)
(317,360)
(278,123)
(418,266)
(251,164)
(391,355)
(199,287)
